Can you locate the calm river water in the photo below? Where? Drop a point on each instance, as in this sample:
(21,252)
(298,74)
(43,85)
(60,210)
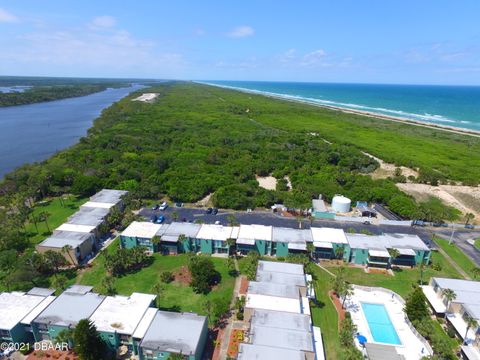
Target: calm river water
(34,132)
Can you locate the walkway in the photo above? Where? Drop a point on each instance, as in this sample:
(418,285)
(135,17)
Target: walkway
(232,323)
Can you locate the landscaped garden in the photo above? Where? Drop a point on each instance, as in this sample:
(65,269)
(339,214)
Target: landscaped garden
(325,315)
(177,294)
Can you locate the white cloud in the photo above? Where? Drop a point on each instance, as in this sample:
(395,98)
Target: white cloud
(314,58)
(7,17)
(241,32)
(103,22)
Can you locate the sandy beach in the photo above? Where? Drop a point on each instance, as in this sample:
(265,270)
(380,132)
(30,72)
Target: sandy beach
(447,128)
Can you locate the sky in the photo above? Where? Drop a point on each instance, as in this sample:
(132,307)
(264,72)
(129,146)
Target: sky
(353,41)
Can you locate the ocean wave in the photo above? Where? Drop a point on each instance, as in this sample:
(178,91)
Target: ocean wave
(426,117)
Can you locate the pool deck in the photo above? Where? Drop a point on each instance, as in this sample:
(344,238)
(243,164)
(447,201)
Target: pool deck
(412,347)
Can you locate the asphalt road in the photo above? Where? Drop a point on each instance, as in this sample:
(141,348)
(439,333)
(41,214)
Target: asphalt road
(460,238)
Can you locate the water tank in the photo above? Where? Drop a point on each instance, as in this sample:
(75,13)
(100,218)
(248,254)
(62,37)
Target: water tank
(341,204)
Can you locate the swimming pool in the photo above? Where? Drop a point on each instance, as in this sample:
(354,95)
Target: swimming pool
(380,324)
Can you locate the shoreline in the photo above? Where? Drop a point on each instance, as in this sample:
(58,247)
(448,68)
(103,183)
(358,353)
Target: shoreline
(447,128)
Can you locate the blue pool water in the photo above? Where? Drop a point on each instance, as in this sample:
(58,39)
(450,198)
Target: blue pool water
(380,324)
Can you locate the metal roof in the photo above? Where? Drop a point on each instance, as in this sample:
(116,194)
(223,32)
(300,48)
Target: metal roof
(271,289)
(280,267)
(281,278)
(175,229)
(282,338)
(88,216)
(287,235)
(261,352)
(108,196)
(280,319)
(69,308)
(388,241)
(382,352)
(215,232)
(174,332)
(61,238)
(319,205)
(41,291)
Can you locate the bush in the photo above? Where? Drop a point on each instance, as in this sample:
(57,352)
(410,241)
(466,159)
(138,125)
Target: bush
(451,331)
(167,277)
(436,267)
(204,275)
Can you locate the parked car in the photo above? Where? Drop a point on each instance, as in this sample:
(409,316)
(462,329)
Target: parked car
(437,224)
(209,210)
(164,206)
(469,226)
(366,222)
(214,211)
(155,207)
(217,222)
(153,218)
(178,204)
(418,223)
(160,219)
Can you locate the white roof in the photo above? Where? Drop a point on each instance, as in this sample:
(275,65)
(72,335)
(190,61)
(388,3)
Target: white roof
(27,320)
(323,244)
(121,314)
(144,324)
(434,300)
(256,301)
(246,241)
(379,253)
(15,306)
(281,267)
(331,235)
(255,232)
(407,252)
(95,204)
(297,246)
(215,232)
(142,229)
(317,338)
(77,228)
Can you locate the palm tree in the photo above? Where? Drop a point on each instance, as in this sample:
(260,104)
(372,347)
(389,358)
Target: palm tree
(231,242)
(394,253)
(66,251)
(44,215)
(185,241)
(174,215)
(339,251)
(310,249)
(156,240)
(345,291)
(158,289)
(450,295)
(232,220)
(471,324)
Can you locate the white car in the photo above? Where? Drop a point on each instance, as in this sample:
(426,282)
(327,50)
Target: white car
(163,206)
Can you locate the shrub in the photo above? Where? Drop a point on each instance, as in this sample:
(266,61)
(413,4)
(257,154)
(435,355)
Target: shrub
(167,277)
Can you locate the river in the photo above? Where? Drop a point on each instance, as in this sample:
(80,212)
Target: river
(34,132)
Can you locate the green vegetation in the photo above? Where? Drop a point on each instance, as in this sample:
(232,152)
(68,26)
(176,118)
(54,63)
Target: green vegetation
(176,295)
(324,312)
(88,343)
(477,244)
(196,140)
(458,256)
(58,210)
(204,275)
(47,93)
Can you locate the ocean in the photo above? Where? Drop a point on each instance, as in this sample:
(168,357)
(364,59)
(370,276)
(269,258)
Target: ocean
(457,106)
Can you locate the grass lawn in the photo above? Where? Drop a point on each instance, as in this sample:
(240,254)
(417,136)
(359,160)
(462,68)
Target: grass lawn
(325,315)
(477,244)
(58,214)
(457,255)
(176,296)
